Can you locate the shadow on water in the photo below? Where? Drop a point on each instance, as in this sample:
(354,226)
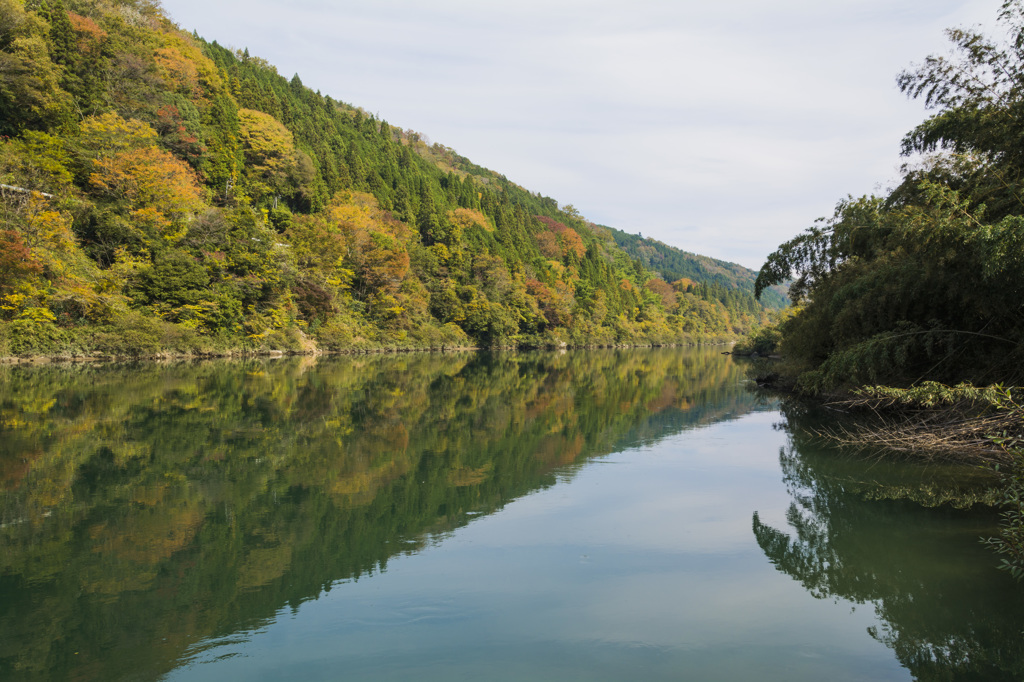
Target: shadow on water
(145,509)
(904,538)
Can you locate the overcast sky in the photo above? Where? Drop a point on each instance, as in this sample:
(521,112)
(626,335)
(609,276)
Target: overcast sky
(720,128)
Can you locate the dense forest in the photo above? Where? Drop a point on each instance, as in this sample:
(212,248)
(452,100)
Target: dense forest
(162,193)
(924,283)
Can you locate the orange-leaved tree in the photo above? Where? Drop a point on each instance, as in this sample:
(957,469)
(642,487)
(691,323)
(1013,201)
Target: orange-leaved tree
(156,192)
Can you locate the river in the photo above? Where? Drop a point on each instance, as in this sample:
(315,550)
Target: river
(598,515)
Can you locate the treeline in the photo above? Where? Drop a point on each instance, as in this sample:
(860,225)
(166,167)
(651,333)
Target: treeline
(164,193)
(925,283)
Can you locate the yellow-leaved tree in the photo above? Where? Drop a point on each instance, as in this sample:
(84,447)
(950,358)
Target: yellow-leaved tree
(273,165)
(155,194)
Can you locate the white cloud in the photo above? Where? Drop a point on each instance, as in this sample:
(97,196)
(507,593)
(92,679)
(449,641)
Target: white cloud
(719,128)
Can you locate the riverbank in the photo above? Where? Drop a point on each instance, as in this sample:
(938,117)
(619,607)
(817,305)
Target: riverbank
(76,358)
(240,354)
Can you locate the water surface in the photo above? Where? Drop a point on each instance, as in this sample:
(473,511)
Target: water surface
(608,515)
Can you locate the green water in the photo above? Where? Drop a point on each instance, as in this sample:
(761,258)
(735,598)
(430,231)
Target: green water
(602,515)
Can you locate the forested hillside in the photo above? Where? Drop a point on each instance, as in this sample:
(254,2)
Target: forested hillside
(925,283)
(164,193)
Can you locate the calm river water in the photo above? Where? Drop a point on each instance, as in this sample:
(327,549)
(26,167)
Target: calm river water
(602,515)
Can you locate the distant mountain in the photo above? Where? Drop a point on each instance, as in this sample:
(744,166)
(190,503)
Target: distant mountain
(674,264)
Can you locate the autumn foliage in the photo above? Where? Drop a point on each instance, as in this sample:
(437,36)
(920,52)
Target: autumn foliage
(16,261)
(558,240)
(196,199)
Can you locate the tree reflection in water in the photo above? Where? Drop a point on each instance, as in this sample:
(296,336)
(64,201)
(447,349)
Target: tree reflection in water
(904,538)
(146,509)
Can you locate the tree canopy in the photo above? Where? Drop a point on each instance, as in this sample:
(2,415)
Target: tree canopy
(927,282)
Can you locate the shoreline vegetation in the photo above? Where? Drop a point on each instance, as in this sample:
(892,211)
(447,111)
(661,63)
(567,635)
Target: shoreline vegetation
(908,308)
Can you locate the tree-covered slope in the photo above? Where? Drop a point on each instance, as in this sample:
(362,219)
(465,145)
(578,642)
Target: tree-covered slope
(164,193)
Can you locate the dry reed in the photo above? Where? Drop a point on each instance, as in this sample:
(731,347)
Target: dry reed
(963,432)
